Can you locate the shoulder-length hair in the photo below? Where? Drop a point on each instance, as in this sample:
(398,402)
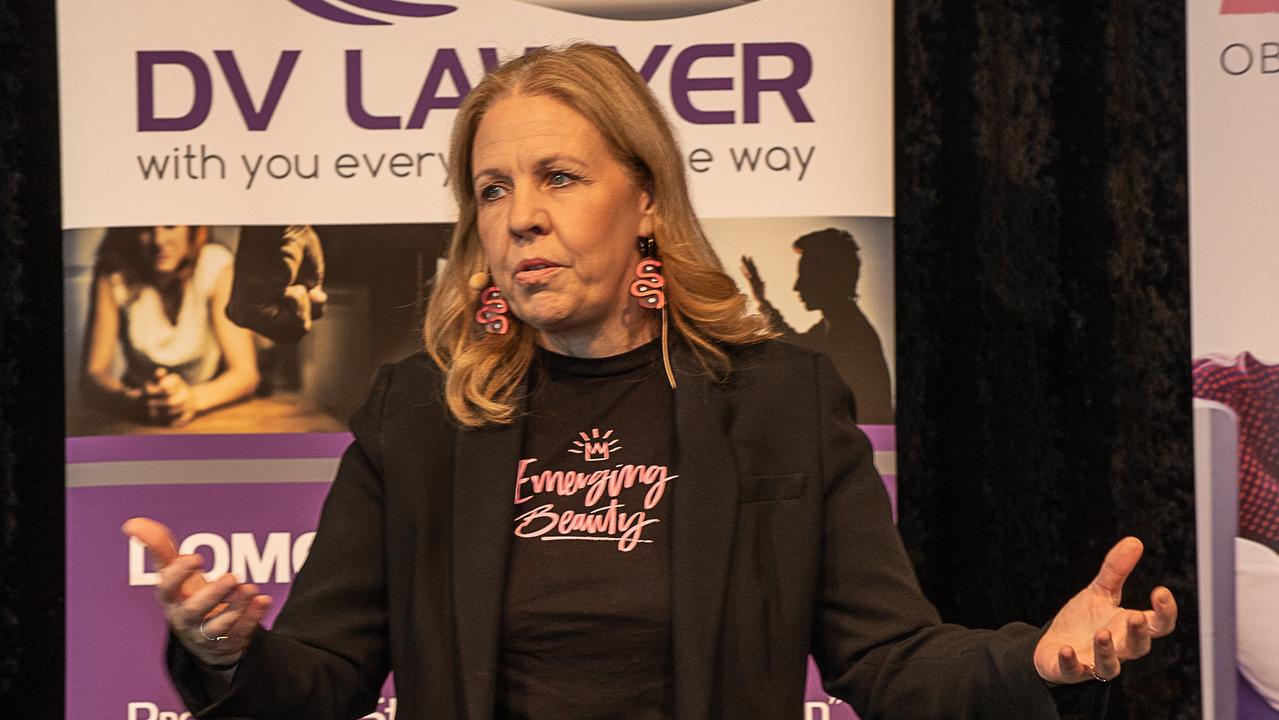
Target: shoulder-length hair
(484,372)
(122,251)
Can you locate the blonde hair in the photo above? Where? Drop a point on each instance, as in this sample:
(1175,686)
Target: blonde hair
(484,372)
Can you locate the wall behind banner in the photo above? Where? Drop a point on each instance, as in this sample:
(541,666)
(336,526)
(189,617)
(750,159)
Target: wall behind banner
(219,131)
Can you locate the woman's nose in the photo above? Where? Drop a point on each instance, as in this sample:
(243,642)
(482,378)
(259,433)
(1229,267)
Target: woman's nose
(529,217)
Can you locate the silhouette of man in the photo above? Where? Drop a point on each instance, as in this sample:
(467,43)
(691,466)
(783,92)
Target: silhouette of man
(829,269)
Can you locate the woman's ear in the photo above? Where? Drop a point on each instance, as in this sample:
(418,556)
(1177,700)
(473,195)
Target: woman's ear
(648,214)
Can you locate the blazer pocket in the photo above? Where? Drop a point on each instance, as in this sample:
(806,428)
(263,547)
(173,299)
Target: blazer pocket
(760,488)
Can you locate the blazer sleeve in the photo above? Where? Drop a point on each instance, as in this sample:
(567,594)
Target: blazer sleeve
(326,657)
(880,645)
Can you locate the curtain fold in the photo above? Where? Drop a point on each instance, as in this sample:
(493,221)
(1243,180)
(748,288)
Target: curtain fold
(1043,312)
(31,392)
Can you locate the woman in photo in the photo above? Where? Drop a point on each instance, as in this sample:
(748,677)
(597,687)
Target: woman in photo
(159,299)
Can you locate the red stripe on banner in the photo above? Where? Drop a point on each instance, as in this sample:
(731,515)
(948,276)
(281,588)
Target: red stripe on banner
(1247,7)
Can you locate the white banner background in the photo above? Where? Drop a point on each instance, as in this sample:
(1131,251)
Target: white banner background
(847,146)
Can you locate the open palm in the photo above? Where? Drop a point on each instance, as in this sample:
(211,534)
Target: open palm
(1092,635)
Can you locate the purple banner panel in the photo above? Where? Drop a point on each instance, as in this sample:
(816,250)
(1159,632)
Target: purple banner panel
(261,531)
(818,704)
(883,438)
(115,630)
(249,446)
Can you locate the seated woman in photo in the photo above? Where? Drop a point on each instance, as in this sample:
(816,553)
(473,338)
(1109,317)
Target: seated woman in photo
(160,296)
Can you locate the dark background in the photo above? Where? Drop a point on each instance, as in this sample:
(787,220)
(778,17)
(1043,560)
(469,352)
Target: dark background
(1042,306)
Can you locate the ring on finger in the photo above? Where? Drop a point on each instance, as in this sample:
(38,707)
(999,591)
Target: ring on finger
(1092,670)
(218,638)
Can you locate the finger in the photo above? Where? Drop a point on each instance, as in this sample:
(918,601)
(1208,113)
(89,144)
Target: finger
(318,299)
(1118,564)
(221,620)
(162,410)
(1163,617)
(1137,642)
(1072,670)
(248,621)
(179,579)
(157,538)
(204,602)
(176,400)
(173,586)
(1105,658)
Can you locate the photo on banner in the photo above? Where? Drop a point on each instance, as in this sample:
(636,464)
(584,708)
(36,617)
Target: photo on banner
(1233,100)
(313,311)
(222,146)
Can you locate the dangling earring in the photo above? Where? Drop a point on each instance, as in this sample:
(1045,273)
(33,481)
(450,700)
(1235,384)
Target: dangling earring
(648,277)
(647,288)
(492,313)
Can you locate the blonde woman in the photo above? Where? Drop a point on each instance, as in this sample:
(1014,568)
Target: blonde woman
(604,490)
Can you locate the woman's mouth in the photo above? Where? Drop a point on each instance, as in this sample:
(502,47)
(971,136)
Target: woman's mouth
(535,270)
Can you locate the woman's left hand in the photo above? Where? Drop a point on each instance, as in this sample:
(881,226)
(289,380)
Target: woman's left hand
(170,400)
(1092,635)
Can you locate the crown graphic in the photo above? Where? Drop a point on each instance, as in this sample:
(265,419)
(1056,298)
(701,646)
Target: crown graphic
(595,447)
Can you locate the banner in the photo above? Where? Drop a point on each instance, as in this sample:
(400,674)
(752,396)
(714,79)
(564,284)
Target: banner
(1233,100)
(211,135)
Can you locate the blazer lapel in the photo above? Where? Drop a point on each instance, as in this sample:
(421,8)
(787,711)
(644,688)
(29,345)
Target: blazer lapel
(703,519)
(484,466)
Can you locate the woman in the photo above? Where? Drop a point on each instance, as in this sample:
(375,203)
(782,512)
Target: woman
(159,294)
(605,491)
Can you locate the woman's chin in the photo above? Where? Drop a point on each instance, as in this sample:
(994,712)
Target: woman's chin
(545,312)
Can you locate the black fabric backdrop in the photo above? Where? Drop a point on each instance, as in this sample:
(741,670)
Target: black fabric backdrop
(1042,310)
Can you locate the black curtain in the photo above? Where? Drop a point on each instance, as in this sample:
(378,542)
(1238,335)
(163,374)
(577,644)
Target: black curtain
(1042,308)
(31,392)
(1043,312)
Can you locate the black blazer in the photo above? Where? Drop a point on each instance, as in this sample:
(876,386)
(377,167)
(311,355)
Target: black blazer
(782,545)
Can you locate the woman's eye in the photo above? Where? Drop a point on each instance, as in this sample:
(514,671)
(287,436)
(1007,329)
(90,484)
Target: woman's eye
(492,192)
(559,178)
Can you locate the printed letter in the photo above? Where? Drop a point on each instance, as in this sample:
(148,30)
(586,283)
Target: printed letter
(200,104)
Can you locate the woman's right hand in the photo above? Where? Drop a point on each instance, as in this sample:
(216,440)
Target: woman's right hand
(169,399)
(216,620)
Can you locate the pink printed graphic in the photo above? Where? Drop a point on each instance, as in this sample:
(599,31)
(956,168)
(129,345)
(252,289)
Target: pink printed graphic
(1249,7)
(594,447)
(600,512)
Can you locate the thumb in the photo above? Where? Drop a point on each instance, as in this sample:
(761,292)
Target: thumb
(155,535)
(1118,564)
(159,541)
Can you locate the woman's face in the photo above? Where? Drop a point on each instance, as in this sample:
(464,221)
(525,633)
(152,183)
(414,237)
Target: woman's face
(558,217)
(166,246)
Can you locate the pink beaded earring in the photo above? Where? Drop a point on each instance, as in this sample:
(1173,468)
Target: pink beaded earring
(492,312)
(648,284)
